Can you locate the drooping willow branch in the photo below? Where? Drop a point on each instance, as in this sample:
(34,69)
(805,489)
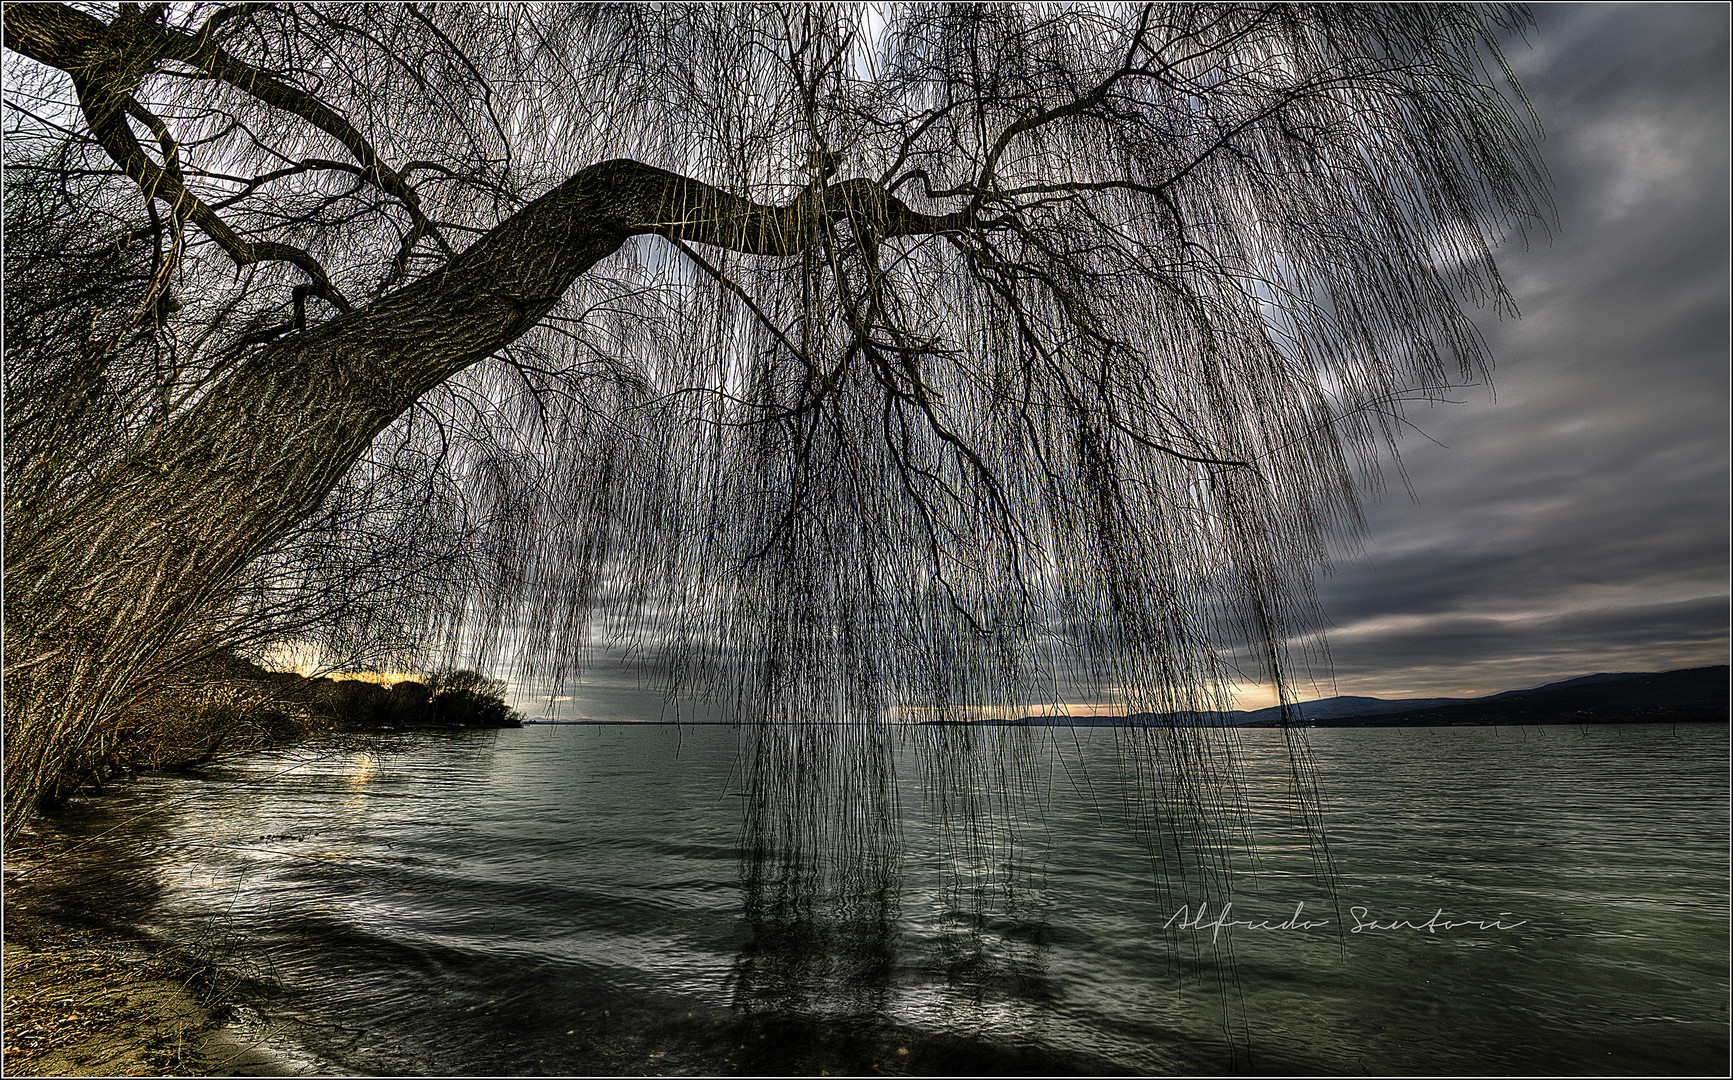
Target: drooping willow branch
(1024,359)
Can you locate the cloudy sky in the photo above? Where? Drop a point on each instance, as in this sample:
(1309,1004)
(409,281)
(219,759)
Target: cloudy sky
(1575,520)
(1573,517)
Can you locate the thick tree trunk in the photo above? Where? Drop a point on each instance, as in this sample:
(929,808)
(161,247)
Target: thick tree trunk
(104,593)
(110,590)
(107,590)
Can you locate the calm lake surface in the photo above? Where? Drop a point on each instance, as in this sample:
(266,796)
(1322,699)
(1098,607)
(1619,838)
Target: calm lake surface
(614,899)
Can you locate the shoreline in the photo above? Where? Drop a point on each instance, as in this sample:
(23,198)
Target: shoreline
(87,999)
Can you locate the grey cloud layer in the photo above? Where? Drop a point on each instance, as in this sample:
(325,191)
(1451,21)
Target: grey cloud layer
(1579,521)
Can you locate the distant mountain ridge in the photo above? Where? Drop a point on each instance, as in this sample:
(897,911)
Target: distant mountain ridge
(1690,695)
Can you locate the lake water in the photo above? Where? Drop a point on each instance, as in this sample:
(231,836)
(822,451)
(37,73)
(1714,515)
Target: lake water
(701,900)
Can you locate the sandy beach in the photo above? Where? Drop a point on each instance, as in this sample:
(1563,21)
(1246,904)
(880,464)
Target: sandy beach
(85,1000)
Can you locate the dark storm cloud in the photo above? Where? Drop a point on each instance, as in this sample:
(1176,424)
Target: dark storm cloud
(1578,521)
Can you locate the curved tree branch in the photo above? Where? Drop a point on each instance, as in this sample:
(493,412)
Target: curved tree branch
(107,62)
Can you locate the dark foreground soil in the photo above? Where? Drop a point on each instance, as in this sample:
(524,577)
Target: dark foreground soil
(84,1000)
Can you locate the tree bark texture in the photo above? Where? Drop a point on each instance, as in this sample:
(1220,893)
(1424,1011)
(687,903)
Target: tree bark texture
(108,592)
(99,596)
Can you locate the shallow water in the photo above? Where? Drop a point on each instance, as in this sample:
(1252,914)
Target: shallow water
(612,899)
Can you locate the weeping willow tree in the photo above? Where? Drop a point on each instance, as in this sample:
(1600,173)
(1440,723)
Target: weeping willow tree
(845,363)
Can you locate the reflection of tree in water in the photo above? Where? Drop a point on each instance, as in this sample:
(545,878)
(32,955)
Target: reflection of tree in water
(821,868)
(93,850)
(982,790)
(889,869)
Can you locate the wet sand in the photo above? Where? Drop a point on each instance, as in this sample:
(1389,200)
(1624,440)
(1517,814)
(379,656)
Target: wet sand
(84,1000)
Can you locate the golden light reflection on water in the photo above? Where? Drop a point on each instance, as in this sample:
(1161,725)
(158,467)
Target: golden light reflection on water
(355,773)
(363,767)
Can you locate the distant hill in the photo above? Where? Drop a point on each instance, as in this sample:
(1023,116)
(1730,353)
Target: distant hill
(1337,708)
(1689,696)
(1693,695)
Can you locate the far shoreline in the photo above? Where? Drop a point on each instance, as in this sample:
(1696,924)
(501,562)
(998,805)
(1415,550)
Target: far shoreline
(1685,696)
(1118,722)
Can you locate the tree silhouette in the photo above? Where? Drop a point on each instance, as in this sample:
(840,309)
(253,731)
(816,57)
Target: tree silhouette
(849,363)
